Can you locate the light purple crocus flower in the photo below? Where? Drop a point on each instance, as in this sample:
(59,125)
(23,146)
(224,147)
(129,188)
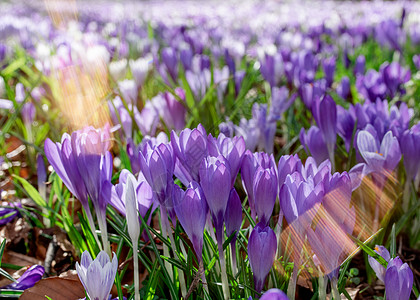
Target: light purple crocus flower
(262,246)
(97,276)
(410,145)
(376,266)
(192,200)
(359,68)
(214,174)
(171,110)
(314,143)
(328,66)
(232,149)
(250,164)
(129,91)
(379,157)
(343,90)
(157,166)
(28,279)
(189,149)
(265,187)
(274,294)
(398,280)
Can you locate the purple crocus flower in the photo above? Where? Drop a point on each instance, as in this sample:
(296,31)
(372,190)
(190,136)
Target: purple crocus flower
(359,68)
(214,174)
(157,165)
(262,246)
(346,120)
(381,157)
(343,90)
(97,276)
(398,280)
(274,294)
(9,211)
(129,91)
(288,164)
(325,113)
(297,195)
(376,266)
(28,279)
(232,149)
(148,119)
(28,113)
(410,145)
(192,200)
(328,66)
(169,58)
(416,61)
(189,149)
(233,214)
(171,111)
(394,76)
(250,164)
(265,187)
(140,68)
(314,144)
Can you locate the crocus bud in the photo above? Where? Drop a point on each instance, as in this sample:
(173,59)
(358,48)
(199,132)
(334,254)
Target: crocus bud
(410,145)
(344,88)
(131,208)
(314,143)
(157,166)
(128,90)
(274,294)
(97,276)
(214,174)
(140,68)
(118,69)
(28,279)
(233,214)
(398,280)
(376,266)
(262,246)
(170,60)
(192,200)
(359,68)
(328,66)
(28,113)
(251,162)
(288,164)
(265,193)
(325,113)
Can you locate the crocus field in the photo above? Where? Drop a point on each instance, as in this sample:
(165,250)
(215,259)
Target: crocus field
(209,149)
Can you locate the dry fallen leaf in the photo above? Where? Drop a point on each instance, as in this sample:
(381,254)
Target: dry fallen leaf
(56,288)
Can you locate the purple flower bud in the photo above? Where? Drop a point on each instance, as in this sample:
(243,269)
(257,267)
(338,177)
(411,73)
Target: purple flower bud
(328,66)
(186,56)
(376,266)
(171,111)
(265,187)
(214,174)
(314,143)
(410,145)
(394,76)
(343,90)
(169,58)
(28,113)
(325,113)
(140,68)
(28,279)
(20,93)
(359,68)
(192,200)
(346,120)
(274,294)
(398,280)
(416,61)
(157,166)
(233,214)
(148,119)
(250,164)
(129,91)
(97,276)
(262,246)
(189,148)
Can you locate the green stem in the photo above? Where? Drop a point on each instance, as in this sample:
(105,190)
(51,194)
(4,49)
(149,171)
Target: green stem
(136,270)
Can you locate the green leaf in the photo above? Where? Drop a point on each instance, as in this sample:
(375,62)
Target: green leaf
(5,274)
(370,251)
(31,191)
